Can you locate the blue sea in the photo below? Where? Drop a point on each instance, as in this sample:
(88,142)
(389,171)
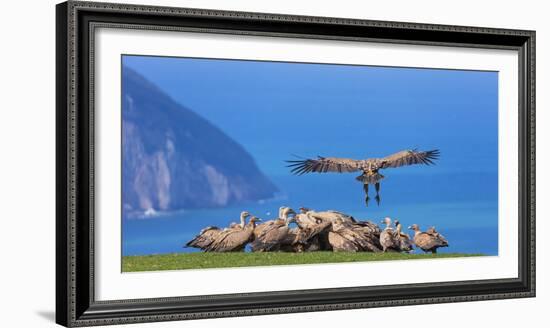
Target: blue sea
(275,110)
(459,209)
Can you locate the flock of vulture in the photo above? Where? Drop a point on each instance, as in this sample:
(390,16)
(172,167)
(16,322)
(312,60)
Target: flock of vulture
(315,231)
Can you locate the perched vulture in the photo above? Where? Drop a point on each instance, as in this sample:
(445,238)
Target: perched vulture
(204,238)
(346,237)
(272,236)
(329,215)
(405,243)
(428,242)
(433,232)
(368,167)
(314,228)
(267,224)
(388,237)
(288,244)
(369,227)
(304,219)
(312,237)
(207,235)
(234,240)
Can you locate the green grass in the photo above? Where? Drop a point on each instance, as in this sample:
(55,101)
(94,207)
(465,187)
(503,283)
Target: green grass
(180,261)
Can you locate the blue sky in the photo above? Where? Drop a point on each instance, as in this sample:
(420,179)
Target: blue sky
(337,110)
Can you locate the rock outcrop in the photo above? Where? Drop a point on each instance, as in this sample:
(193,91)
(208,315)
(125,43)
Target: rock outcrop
(174,159)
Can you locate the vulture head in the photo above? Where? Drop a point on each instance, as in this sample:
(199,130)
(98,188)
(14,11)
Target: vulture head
(253,220)
(386,221)
(414,227)
(244,215)
(304,210)
(284,212)
(288,211)
(431,230)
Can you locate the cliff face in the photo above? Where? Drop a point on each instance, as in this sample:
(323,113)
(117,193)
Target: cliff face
(174,159)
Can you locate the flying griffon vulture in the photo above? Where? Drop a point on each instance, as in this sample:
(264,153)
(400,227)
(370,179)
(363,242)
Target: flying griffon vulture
(369,167)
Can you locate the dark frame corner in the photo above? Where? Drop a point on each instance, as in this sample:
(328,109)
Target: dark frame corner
(75,303)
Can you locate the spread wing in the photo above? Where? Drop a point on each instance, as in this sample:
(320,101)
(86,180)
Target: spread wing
(324,164)
(409,157)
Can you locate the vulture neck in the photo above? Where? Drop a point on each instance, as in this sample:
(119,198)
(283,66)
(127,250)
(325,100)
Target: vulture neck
(284,217)
(299,221)
(243,218)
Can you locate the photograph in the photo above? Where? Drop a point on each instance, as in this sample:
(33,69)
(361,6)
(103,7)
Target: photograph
(237,163)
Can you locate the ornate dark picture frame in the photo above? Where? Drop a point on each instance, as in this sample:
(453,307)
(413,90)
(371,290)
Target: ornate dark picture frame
(75,301)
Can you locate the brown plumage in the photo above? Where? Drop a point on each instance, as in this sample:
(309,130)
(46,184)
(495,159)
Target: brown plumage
(207,235)
(428,242)
(304,219)
(388,238)
(314,228)
(349,237)
(330,216)
(234,240)
(405,243)
(273,235)
(340,243)
(288,243)
(204,238)
(368,167)
(267,224)
(369,227)
(433,232)
(312,237)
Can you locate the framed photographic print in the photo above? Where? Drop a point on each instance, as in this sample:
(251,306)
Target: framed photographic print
(215,163)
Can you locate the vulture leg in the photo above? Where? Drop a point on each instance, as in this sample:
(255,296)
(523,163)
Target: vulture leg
(367,198)
(377,187)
